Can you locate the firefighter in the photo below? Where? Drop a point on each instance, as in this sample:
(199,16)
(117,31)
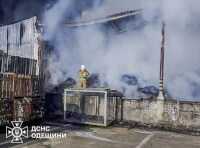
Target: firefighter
(83,76)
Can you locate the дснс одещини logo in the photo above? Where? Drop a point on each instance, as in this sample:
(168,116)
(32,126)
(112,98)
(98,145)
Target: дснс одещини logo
(16,132)
(36,132)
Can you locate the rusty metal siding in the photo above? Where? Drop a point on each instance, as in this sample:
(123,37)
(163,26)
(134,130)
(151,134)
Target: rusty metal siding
(20,39)
(20,62)
(3,38)
(18,65)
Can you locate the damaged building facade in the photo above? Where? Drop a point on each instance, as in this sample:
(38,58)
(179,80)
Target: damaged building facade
(21,93)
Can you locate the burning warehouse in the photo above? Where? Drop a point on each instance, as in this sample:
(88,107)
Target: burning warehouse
(22,65)
(121,51)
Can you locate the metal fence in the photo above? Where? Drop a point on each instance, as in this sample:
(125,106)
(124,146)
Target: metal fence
(91,106)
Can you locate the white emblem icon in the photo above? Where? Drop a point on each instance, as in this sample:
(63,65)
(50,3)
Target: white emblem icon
(16,132)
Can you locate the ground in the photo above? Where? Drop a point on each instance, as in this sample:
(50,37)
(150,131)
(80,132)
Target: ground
(113,137)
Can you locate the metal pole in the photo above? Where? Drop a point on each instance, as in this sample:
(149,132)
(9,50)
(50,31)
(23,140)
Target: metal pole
(105,108)
(162,52)
(64,104)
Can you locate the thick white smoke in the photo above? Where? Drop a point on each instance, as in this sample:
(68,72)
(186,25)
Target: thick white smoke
(135,52)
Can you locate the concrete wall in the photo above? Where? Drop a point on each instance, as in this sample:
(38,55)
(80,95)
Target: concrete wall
(167,114)
(139,111)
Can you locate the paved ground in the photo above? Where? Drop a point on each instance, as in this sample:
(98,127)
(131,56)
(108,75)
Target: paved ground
(114,137)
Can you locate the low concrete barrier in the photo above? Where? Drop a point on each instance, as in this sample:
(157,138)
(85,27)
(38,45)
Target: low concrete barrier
(170,114)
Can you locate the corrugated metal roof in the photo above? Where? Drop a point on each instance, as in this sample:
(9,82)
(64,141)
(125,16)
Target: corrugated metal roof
(109,18)
(109,10)
(110,7)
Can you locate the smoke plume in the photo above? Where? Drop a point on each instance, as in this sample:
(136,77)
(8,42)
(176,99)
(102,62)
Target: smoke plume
(135,52)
